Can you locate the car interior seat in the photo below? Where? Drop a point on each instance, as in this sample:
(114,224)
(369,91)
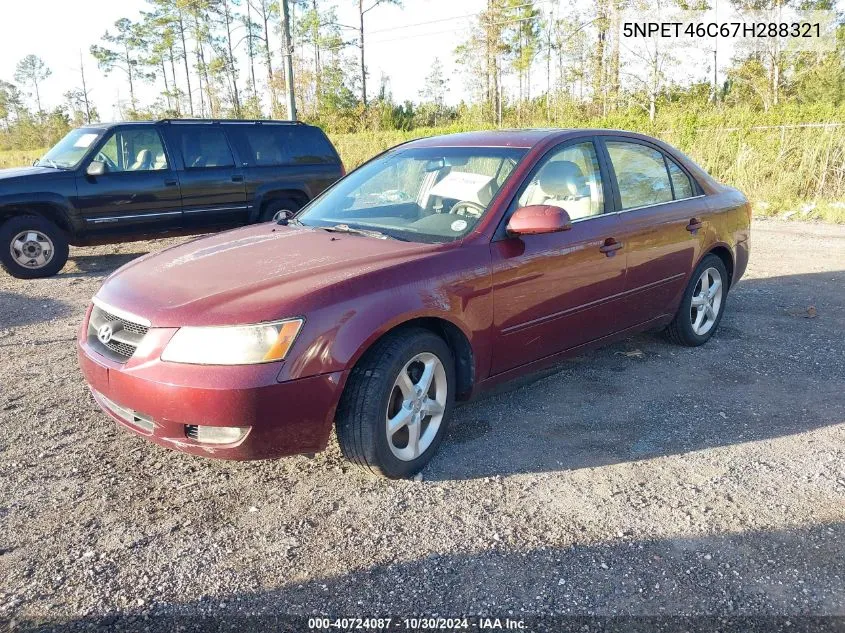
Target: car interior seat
(143,161)
(562,184)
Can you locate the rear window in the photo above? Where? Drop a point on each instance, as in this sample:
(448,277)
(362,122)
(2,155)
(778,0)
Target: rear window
(271,145)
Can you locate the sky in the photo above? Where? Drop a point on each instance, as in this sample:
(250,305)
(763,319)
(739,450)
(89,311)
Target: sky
(401,43)
(59,29)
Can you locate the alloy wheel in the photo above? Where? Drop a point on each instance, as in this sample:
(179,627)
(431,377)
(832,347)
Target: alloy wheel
(706,301)
(32,249)
(416,406)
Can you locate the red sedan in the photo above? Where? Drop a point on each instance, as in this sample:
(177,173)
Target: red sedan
(437,269)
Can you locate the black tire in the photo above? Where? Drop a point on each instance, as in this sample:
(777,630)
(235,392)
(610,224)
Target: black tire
(681,330)
(272,207)
(362,413)
(13,227)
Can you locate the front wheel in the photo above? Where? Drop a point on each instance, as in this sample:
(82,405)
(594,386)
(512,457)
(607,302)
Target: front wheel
(702,305)
(31,247)
(397,403)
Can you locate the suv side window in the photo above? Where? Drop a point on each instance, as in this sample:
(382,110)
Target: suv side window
(274,145)
(203,146)
(640,174)
(133,150)
(570,178)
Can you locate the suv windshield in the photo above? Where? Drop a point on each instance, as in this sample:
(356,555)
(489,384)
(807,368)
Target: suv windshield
(69,152)
(432,194)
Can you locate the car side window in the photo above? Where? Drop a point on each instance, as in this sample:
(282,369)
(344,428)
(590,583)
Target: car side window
(133,150)
(680,181)
(641,174)
(569,178)
(204,146)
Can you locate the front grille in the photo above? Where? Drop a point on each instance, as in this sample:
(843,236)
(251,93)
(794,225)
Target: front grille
(191,431)
(124,335)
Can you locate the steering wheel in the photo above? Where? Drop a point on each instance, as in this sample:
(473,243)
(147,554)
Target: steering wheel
(106,160)
(467,207)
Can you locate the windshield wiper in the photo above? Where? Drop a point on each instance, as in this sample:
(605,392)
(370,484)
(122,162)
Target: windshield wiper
(49,162)
(345,228)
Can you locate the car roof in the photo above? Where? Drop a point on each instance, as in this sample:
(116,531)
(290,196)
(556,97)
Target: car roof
(522,138)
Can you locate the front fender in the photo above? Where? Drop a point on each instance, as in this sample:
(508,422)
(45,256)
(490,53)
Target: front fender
(66,215)
(450,289)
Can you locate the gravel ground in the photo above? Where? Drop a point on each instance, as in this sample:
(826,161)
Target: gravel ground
(640,479)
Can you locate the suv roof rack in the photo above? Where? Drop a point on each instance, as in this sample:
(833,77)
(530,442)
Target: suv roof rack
(213,121)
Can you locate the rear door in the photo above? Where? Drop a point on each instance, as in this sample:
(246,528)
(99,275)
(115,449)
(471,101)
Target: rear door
(290,159)
(139,190)
(662,224)
(213,188)
(556,291)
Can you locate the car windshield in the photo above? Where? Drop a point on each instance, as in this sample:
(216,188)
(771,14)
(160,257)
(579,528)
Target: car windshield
(69,152)
(432,194)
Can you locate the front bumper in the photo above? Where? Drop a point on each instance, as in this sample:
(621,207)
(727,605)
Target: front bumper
(159,400)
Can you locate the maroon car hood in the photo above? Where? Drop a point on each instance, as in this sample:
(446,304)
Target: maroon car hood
(248,275)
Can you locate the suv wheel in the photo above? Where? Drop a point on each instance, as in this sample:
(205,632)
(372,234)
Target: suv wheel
(276,210)
(31,247)
(397,403)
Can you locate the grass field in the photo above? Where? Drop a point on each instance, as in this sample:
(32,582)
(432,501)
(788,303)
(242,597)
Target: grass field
(796,172)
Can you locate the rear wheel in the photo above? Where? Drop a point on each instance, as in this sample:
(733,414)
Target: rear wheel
(32,246)
(276,210)
(702,305)
(397,403)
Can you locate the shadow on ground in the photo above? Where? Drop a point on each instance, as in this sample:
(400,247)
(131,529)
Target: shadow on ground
(762,376)
(17,310)
(85,265)
(735,582)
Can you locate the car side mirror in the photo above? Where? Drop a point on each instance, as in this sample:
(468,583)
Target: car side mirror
(537,219)
(96,168)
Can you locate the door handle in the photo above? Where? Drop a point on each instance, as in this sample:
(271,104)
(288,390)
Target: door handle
(610,247)
(694,225)
(237,178)
(171,182)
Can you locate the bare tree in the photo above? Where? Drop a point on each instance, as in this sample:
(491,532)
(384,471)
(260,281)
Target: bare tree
(32,70)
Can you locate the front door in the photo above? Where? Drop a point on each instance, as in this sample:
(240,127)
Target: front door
(556,291)
(139,189)
(213,188)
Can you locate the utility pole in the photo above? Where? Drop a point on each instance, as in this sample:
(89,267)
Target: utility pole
(84,89)
(361,45)
(288,61)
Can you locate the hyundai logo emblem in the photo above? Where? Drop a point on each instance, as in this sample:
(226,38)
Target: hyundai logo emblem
(105,333)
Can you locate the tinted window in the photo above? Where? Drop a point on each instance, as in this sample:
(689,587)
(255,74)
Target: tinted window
(680,181)
(640,173)
(269,144)
(136,149)
(570,179)
(203,146)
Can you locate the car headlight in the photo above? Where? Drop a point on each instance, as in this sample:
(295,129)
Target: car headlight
(235,345)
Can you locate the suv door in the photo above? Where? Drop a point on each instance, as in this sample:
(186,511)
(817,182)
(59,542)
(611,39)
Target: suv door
(556,291)
(139,189)
(213,190)
(662,216)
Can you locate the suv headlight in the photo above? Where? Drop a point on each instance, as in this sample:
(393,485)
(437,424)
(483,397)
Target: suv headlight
(235,345)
